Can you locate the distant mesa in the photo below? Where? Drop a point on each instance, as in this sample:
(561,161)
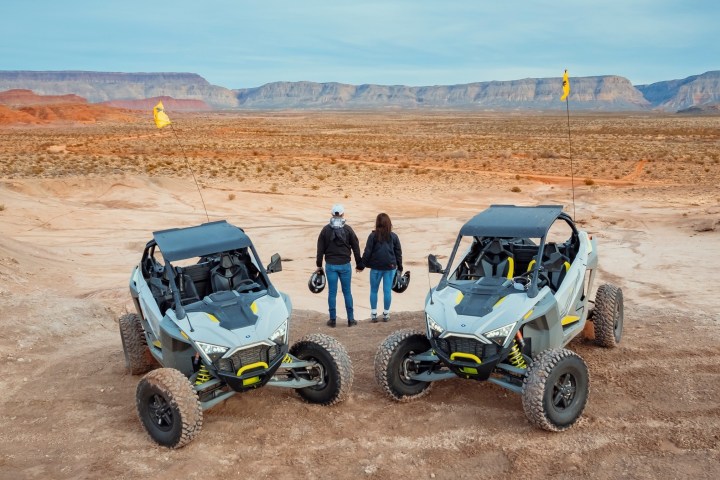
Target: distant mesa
(191,92)
(171,104)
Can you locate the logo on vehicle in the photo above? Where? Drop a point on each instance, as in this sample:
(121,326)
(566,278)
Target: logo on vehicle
(247,336)
(463,325)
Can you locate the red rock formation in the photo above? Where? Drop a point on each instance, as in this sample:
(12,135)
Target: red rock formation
(21,97)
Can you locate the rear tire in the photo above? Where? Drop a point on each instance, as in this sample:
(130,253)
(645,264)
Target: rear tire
(168,407)
(138,359)
(555,389)
(389,365)
(336,367)
(608,316)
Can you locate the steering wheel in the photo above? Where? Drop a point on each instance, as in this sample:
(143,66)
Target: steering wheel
(247,285)
(543,278)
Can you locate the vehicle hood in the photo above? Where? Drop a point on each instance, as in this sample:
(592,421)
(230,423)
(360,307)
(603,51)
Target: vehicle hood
(468,310)
(231,319)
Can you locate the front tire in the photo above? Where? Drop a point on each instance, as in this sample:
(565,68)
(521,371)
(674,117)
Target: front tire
(390,365)
(168,407)
(608,317)
(138,359)
(335,368)
(555,389)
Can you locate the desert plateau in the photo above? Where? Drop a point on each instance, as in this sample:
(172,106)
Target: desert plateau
(83,188)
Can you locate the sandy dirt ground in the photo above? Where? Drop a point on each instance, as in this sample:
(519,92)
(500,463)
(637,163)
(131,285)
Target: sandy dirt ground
(67,410)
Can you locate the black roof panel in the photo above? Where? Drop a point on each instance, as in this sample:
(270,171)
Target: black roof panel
(512,221)
(208,238)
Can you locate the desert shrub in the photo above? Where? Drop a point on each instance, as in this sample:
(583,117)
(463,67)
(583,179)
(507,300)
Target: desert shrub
(589,181)
(231,196)
(516,189)
(2,207)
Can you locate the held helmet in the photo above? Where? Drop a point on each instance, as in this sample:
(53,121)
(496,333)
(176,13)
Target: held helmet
(316,284)
(400,281)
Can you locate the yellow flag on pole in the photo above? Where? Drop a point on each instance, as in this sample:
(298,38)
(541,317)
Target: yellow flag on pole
(161,118)
(566,86)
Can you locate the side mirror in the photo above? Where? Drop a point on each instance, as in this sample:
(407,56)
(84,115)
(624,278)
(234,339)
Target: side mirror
(433,265)
(275,264)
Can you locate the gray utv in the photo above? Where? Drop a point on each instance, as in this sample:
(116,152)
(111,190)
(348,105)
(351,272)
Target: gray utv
(208,314)
(513,295)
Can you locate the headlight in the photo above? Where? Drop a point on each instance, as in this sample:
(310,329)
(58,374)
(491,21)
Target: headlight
(279,336)
(213,352)
(434,327)
(499,335)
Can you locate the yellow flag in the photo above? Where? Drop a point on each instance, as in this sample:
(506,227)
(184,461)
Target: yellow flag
(566,86)
(161,118)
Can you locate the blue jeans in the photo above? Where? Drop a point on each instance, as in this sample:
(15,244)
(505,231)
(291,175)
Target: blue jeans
(344,273)
(387,277)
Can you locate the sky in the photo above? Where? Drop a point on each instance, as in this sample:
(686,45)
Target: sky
(241,44)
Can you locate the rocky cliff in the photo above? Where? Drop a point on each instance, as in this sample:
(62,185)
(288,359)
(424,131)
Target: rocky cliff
(588,93)
(674,95)
(103,86)
(192,92)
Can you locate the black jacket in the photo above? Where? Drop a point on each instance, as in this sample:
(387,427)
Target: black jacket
(335,244)
(383,255)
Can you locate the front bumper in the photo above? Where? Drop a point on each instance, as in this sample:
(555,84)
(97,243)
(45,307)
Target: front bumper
(251,371)
(467,357)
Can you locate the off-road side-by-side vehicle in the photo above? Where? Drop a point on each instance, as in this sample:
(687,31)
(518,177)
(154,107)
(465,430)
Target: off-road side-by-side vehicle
(209,315)
(513,295)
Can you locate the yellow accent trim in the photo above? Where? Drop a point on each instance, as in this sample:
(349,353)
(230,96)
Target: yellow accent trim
(567,266)
(527,315)
(251,366)
(184,335)
(253,307)
(470,370)
(569,319)
(250,381)
(287,359)
(469,356)
(499,302)
(511,270)
(530,265)
(157,343)
(459,298)
(213,318)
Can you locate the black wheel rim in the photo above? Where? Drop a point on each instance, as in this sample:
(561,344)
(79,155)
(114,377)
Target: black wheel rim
(564,391)
(617,327)
(161,414)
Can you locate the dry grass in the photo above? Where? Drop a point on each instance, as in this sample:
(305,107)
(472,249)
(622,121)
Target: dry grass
(319,149)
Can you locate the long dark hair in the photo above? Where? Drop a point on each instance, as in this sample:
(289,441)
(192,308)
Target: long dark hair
(383,227)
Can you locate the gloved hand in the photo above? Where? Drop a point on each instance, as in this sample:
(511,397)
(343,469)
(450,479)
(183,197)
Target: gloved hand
(320,270)
(400,270)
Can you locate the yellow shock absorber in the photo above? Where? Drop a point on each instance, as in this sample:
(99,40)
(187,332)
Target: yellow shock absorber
(515,356)
(203,375)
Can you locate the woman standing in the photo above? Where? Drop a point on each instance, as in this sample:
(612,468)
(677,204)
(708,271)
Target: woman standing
(383,255)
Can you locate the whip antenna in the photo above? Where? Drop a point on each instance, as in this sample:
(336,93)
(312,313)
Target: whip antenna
(161,121)
(187,164)
(566,94)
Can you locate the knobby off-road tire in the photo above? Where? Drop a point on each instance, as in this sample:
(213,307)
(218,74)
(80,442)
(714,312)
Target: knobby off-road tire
(168,407)
(336,365)
(608,316)
(555,389)
(138,359)
(389,360)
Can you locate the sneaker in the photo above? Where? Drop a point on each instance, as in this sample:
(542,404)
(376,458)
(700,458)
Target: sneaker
(373,317)
(331,323)
(352,323)
(386,317)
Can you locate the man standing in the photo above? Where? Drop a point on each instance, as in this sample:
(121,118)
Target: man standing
(335,242)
